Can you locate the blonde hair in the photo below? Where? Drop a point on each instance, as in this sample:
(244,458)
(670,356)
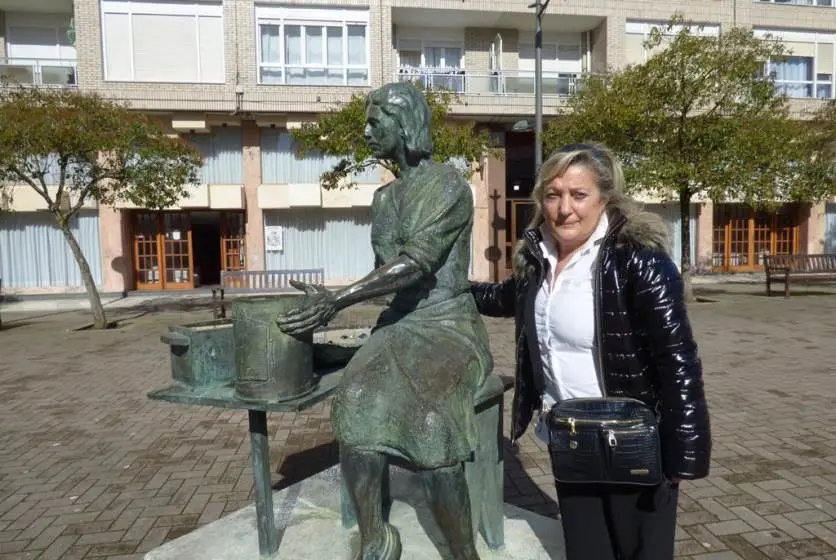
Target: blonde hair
(609,180)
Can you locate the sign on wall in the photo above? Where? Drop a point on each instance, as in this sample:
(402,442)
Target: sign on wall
(273,238)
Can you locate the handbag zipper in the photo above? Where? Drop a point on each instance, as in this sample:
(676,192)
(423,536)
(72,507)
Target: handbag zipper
(571,422)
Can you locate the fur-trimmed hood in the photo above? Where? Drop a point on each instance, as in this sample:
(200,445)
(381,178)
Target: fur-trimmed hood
(638,228)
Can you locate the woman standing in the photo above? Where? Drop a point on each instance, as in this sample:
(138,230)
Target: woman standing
(600,311)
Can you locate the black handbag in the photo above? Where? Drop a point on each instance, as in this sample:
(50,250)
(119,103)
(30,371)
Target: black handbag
(605,441)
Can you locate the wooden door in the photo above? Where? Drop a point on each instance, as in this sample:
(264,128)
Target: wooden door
(742,236)
(233,254)
(177,243)
(147,261)
(163,251)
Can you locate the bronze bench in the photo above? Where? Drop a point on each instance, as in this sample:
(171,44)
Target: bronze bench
(484,473)
(806,269)
(260,281)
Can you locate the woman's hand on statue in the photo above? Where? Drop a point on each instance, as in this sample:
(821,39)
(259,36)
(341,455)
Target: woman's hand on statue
(318,307)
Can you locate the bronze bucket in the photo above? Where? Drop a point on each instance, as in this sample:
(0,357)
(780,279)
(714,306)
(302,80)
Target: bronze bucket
(270,366)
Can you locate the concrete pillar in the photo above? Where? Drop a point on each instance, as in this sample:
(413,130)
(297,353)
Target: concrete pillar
(252,180)
(481,225)
(498,222)
(705,237)
(3,37)
(116,250)
(599,46)
(816,225)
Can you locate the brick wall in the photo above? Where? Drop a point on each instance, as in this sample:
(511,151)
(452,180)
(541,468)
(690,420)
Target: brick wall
(240,51)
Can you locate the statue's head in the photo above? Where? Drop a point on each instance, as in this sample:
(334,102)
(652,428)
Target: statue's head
(398,121)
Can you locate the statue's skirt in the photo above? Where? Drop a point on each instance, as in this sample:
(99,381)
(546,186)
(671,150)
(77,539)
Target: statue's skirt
(408,391)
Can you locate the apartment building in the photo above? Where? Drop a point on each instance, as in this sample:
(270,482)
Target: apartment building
(235,77)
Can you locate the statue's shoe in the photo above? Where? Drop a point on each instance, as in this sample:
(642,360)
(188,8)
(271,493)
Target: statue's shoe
(391,549)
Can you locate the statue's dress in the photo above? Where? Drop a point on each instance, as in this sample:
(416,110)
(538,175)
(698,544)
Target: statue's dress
(408,391)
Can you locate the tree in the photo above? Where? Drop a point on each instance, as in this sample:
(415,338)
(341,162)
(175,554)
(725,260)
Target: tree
(72,148)
(341,133)
(700,118)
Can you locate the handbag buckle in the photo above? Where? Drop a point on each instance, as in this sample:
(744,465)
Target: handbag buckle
(611,441)
(572,430)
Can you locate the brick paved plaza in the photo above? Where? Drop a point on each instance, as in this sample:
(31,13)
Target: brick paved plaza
(90,468)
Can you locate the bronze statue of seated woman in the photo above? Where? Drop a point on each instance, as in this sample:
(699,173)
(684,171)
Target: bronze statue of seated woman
(408,391)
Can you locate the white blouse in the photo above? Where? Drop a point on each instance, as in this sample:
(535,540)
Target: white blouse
(565,319)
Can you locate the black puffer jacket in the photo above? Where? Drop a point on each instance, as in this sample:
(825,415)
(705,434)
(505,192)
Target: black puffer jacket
(647,350)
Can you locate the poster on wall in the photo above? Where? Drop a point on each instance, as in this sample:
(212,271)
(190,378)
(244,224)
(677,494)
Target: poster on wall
(273,238)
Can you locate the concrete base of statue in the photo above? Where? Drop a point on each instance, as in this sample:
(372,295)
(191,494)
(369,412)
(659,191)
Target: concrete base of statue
(309,524)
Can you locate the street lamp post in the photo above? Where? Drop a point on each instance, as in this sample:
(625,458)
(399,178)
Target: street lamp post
(539,8)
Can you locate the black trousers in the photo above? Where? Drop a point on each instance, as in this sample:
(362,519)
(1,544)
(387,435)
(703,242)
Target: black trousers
(607,522)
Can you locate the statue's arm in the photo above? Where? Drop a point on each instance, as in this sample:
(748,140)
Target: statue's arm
(398,273)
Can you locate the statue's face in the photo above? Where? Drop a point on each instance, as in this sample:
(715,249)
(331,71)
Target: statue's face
(383,133)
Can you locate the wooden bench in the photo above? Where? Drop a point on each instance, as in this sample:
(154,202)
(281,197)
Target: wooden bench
(260,281)
(809,269)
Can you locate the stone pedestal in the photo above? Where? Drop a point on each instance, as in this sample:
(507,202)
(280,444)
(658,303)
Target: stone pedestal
(309,526)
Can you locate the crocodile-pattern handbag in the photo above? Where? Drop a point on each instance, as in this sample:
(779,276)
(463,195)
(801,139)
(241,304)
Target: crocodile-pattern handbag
(605,441)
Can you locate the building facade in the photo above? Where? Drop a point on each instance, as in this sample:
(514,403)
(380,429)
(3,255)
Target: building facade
(235,77)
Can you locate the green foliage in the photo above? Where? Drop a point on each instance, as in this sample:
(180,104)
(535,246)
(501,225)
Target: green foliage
(341,133)
(699,117)
(99,150)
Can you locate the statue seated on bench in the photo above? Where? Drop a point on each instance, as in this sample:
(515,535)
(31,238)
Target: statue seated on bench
(410,390)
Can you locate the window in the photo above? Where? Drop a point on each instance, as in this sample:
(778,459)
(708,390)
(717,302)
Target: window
(436,64)
(807,70)
(637,32)
(312,46)
(793,76)
(562,65)
(824,3)
(38,49)
(163,41)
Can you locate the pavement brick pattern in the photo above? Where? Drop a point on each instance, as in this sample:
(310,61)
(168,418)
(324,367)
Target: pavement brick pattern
(90,468)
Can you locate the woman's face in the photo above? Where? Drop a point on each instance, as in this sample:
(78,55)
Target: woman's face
(572,206)
(383,133)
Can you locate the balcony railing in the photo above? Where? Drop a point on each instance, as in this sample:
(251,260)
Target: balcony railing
(498,82)
(39,72)
(818,3)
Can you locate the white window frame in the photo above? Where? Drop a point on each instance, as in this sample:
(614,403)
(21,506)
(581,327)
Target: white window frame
(798,3)
(439,45)
(60,24)
(167,7)
(312,17)
(814,38)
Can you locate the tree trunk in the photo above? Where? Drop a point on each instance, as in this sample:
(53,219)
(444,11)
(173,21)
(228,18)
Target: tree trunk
(96,307)
(685,241)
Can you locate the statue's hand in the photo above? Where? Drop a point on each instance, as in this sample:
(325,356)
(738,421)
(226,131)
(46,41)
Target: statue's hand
(318,307)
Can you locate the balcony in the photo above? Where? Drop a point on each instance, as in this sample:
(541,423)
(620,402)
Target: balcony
(496,82)
(39,72)
(814,3)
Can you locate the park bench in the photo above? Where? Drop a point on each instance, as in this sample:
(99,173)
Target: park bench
(798,269)
(260,281)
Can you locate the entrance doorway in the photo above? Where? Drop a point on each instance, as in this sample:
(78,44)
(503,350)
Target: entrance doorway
(519,182)
(182,250)
(743,235)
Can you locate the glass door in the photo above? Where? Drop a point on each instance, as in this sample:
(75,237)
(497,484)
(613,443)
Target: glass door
(163,255)
(233,255)
(177,240)
(147,252)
